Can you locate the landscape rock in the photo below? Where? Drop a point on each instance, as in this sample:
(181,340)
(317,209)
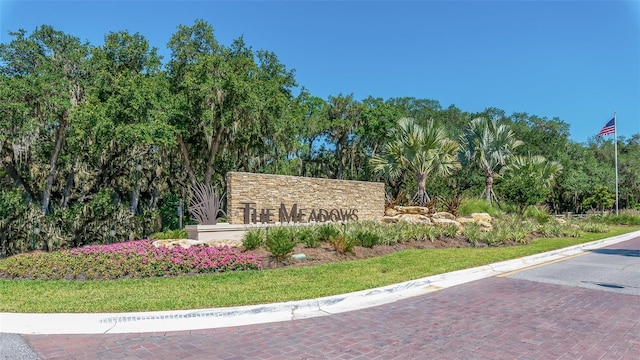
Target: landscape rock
(171,243)
(415,218)
(445,222)
(391,219)
(482,217)
(391,212)
(299,257)
(443,215)
(420,210)
(417,214)
(484,224)
(466,220)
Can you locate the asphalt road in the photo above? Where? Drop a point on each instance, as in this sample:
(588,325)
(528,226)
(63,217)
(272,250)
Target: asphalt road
(13,346)
(615,269)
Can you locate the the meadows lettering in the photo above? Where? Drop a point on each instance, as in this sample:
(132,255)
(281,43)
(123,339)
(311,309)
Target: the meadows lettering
(253,215)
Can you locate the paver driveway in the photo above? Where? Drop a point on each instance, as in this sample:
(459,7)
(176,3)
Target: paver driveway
(493,318)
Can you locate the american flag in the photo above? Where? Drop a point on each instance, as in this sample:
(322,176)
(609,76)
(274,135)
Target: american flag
(609,128)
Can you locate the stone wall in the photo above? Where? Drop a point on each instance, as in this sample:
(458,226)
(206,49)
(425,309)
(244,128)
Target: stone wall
(263,198)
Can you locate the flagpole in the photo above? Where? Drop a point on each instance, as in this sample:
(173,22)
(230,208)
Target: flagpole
(615,147)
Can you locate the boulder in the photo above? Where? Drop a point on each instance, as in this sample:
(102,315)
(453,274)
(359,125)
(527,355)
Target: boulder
(390,219)
(482,217)
(484,224)
(465,220)
(443,215)
(171,243)
(445,222)
(420,210)
(223,242)
(415,218)
(390,212)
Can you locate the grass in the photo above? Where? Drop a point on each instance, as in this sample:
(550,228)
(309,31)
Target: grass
(259,287)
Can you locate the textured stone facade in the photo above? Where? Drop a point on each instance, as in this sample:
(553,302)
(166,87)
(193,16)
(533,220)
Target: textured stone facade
(264,198)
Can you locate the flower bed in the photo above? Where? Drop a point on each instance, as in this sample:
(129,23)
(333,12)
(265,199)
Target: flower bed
(134,259)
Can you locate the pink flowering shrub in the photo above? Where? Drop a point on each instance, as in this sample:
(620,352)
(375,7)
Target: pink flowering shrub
(134,259)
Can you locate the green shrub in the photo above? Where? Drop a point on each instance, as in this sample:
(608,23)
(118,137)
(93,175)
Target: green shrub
(551,229)
(621,219)
(498,236)
(419,232)
(343,244)
(394,233)
(171,234)
(542,216)
(471,206)
(168,212)
(308,236)
(520,235)
(327,231)
(556,229)
(593,227)
(571,231)
(434,232)
(253,239)
(450,230)
(474,233)
(279,243)
(366,238)
(405,232)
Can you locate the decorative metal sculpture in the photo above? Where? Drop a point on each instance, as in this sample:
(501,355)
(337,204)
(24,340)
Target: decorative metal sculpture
(205,204)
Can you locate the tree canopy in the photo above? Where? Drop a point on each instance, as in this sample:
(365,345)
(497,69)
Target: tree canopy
(99,143)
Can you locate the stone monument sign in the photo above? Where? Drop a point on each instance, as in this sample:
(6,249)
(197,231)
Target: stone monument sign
(268,199)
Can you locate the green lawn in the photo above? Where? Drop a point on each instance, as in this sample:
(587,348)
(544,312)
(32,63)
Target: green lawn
(258,287)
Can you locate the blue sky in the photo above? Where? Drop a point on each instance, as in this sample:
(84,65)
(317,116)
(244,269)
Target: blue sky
(575,60)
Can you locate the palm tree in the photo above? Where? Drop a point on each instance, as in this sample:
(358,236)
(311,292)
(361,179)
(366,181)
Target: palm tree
(489,145)
(544,171)
(421,150)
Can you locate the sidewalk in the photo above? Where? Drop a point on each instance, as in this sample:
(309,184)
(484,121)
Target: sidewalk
(180,320)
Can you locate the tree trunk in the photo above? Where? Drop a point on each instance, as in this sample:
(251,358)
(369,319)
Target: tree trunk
(245,160)
(339,154)
(422,197)
(68,184)
(135,196)
(187,162)
(212,156)
(46,192)
(7,163)
(307,158)
(488,189)
(154,199)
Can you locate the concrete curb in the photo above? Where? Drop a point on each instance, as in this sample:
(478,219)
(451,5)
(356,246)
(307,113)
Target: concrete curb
(178,320)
